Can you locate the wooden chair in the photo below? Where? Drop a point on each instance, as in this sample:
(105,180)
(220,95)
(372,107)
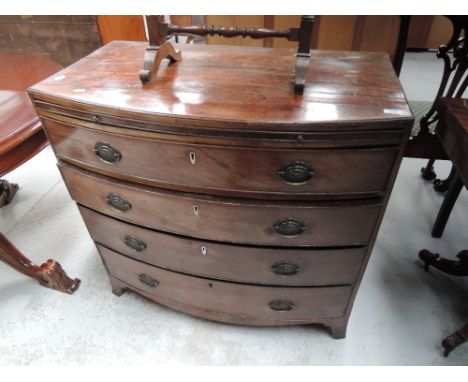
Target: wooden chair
(424,142)
(22,137)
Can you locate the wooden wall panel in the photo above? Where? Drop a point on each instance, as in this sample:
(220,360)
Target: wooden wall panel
(419,29)
(336,32)
(63,39)
(130,28)
(376,34)
(440,33)
(285,22)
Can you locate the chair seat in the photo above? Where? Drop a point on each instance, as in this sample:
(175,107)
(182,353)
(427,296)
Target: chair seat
(423,143)
(419,109)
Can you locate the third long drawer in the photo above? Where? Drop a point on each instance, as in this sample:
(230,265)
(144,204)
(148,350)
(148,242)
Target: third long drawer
(269,266)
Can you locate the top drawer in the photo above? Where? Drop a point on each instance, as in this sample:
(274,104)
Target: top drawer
(225,170)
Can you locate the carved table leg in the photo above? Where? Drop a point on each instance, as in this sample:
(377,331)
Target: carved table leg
(454,268)
(50,274)
(454,340)
(451,267)
(443,186)
(7,192)
(447,206)
(427,172)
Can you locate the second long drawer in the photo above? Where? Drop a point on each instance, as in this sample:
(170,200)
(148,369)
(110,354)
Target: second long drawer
(226,220)
(269,266)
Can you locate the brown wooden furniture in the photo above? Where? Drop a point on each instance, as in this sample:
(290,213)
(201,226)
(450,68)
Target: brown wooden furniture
(160,31)
(60,38)
(22,137)
(452,130)
(453,85)
(216,191)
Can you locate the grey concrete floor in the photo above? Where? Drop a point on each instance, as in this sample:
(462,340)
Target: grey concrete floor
(400,314)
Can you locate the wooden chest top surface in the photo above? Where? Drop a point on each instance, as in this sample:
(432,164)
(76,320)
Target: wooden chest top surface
(243,86)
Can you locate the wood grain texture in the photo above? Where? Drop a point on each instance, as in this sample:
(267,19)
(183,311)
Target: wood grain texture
(281,22)
(419,30)
(440,32)
(63,39)
(253,21)
(336,32)
(379,34)
(225,170)
(192,175)
(21,135)
(203,88)
(240,303)
(226,262)
(220,219)
(128,28)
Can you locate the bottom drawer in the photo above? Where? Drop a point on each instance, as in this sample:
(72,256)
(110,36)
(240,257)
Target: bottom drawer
(226,301)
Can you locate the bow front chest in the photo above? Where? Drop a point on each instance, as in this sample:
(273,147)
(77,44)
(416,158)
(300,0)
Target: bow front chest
(215,190)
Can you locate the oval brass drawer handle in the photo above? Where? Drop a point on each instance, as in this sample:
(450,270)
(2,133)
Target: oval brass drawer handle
(107,153)
(281,305)
(135,243)
(285,268)
(289,227)
(118,202)
(148,280)
(296,173)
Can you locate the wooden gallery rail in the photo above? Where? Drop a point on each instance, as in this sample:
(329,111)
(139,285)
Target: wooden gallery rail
(159,47)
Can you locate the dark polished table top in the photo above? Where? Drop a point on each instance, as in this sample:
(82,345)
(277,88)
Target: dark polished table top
(236,88)
(18,120)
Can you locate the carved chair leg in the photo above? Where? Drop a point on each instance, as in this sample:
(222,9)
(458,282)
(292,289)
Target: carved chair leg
(427,173)
(7,192)
(50,274)
(442,186)
(447,206)
(454,340)
(452,267)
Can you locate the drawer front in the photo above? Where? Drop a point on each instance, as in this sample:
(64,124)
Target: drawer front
(226,220)
(226,301)
(223,169)
(226,262)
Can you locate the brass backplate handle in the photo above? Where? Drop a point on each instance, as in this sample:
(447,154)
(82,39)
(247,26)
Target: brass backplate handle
(285,268)
(135,243)
(107,153)
(296,173)
(148,280)
(281,305)
(289,227)
(118,202)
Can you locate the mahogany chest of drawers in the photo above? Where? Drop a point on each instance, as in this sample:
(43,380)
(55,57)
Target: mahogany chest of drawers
(216,191)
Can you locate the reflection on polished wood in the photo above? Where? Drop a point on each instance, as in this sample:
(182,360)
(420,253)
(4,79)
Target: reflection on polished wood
(216,191)
(196,93)
(50,274)
(22,137)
